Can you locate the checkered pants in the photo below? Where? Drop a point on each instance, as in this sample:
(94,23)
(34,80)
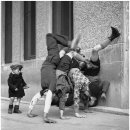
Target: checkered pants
(80,84)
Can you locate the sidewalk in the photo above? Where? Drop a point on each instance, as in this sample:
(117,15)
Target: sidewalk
(93,121)
(111,110)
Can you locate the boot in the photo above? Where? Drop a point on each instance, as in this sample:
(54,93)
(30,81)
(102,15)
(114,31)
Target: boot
(10,110)
(115,34)
(16,109)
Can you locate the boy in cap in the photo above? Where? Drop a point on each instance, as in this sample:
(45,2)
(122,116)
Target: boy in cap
(16,85)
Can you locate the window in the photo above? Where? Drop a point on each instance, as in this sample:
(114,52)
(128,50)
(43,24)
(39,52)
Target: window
(29,30)
(63,18)
(8,31)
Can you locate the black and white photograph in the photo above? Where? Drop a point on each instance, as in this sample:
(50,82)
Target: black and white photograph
(64,65)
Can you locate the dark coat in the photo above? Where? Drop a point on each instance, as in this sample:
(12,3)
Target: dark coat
(52,41)
(94,71)
(63,87)
(16,81)
(48,70)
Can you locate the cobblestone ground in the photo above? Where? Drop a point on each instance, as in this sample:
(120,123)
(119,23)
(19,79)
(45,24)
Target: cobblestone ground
(93,121)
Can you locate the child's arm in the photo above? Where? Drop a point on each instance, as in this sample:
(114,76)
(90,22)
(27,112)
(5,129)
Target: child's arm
(23,83)
(61,114)
(62,102)
(11,85)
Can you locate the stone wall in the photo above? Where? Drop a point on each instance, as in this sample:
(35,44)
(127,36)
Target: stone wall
(42,27)
(93,20)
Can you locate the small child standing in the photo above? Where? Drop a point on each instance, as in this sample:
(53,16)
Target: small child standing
(16,85)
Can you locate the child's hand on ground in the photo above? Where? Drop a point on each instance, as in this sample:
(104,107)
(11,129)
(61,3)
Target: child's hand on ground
(31,115)
(46,120)
(80,116)
(64,117)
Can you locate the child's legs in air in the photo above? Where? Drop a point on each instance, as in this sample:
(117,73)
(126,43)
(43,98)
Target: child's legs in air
(115,34)
(97,48)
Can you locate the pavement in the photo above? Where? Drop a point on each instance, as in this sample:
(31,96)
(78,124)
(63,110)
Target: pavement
(98,120)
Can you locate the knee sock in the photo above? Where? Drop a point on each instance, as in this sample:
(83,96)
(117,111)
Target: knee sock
(34,100)
(48,101)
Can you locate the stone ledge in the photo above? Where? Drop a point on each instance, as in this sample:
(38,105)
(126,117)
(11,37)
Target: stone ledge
(111,110)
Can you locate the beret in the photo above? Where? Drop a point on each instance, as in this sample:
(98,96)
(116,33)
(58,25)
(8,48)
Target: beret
(13,67)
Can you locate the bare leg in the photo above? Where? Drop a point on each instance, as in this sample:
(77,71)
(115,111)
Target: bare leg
(76,103)
(16,107)
(79,57)
(62,115)
(11,101)
(18,101)
(115,34)
(10,110)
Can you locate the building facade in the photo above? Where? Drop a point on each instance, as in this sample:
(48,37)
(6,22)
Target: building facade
(24,26)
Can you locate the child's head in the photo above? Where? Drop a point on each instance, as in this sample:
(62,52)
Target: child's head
(16,71)
(16,68)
